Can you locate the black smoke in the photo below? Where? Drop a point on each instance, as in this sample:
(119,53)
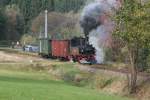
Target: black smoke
(90,19)
(88,24)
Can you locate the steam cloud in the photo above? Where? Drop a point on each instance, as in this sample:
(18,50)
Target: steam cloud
(97,24)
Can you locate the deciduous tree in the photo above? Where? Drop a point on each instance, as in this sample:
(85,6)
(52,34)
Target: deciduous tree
(133,26)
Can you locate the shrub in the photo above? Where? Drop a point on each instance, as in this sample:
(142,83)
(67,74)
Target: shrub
(100,81)
(28,39)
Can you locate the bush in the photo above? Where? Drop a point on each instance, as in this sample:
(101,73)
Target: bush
(70,74)
(28,39)
(100,81)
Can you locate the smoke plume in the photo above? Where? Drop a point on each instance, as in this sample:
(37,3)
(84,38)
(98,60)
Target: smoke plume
(97,24)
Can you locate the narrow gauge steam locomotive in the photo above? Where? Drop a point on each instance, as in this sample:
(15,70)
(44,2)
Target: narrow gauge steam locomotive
(76,49)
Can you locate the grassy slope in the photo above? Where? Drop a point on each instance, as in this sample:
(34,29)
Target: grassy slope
(38,86)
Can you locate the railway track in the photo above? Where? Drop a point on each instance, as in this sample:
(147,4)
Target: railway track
(91,68)
(124,70)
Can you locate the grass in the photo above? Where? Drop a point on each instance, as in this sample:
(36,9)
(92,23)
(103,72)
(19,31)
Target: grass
(23,85)
(33,81)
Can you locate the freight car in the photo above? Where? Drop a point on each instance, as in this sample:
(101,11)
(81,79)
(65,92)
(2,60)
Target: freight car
(45,47)
(76,49)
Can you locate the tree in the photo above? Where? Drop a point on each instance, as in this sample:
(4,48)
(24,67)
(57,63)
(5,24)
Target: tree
(133,27)
(28,39)
(31,8)
(4,2)
(68,5)
(14,23)
(60,25)
(2,25)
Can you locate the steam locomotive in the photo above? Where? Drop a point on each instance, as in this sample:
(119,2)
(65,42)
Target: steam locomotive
(76,49)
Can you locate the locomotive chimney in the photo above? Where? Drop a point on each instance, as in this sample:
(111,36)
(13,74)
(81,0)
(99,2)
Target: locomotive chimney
(87,38)
(86,34)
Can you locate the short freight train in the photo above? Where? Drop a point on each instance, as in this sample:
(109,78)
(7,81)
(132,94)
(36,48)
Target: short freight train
(76,49)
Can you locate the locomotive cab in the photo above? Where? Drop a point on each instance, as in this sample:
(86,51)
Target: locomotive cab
(82,50)
(83,45)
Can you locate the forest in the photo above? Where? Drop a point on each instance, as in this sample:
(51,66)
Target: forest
(18,17)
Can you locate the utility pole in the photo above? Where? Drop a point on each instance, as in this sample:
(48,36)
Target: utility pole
(40,39)
(46,34)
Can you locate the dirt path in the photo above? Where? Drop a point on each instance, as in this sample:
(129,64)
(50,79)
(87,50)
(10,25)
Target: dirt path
(11,57)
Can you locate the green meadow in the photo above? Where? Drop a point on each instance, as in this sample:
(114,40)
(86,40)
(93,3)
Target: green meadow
(25,85)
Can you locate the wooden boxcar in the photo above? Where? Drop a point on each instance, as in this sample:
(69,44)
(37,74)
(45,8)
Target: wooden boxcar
(60,48)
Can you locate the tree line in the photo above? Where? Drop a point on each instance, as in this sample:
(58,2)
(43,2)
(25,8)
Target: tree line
(17,15)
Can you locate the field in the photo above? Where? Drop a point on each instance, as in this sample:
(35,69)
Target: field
(29,79)
(40,86)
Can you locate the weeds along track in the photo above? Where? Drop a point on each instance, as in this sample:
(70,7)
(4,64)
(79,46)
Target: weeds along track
(105,67)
